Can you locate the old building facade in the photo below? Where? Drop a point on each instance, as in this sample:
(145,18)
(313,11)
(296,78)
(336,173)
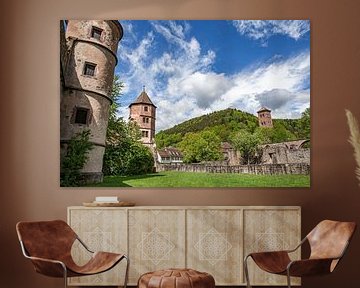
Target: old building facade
(169,155)
(286,152)
(143,112)
(88,59)
(230,154)
(264,116)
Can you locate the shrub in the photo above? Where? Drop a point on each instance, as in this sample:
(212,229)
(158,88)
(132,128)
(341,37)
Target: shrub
(75,158)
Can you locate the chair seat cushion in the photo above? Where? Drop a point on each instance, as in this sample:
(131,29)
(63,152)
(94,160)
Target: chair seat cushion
(272,262)
(99,262)
(176,278)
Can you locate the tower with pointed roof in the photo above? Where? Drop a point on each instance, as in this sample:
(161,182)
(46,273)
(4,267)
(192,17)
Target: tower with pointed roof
(143,112)
(264,116)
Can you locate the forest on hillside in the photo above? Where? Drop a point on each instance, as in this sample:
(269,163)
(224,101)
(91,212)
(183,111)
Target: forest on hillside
(200,138)
(226,122)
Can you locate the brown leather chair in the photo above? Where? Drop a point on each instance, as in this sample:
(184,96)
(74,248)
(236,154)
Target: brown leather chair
(328,242)
(48,245)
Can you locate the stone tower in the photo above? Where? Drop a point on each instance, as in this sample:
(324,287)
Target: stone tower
(87,59)
(143,111)
(264,116)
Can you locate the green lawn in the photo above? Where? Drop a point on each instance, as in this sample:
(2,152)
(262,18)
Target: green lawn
(188,179)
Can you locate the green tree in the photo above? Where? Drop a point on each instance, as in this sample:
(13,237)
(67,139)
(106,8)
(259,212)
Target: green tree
(247,144)
(119,141)
(265,134)
(139,160)
(304,124)
(189,148)
(281,134)
(115,96)
(124,154)
(204,146)
(166,140)
(219,121)
(276,134)
(76,156)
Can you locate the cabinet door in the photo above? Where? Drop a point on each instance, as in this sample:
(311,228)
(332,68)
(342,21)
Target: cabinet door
(101,230)
(156,240)
(270,230)
(214,244)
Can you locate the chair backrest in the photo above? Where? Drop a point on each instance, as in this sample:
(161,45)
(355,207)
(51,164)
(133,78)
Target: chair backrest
(46,239)
(329,239)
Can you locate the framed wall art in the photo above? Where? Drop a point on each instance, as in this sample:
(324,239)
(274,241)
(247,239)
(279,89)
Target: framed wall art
(185,103)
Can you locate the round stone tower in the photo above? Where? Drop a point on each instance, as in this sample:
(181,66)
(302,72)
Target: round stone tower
(143,111)
(87,73)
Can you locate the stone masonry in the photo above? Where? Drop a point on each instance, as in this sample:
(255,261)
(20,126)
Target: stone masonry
(88,59)
(143,112)
(286,152)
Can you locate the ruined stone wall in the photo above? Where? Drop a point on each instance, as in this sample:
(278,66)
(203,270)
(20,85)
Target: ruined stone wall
(263,169)
(234,157)
(280,154)
(301,155)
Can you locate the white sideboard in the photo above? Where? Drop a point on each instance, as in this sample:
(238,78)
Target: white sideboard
(212,239)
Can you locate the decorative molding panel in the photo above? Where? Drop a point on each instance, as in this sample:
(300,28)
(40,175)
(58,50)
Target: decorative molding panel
(210,239)
(156,240)
(269,230)
(101,230)
(214,241)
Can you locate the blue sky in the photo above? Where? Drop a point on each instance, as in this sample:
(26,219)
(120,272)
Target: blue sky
(195,67)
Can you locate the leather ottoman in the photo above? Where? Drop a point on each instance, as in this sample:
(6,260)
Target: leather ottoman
(176,278)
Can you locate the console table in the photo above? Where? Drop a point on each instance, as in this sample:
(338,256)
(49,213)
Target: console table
(212,239)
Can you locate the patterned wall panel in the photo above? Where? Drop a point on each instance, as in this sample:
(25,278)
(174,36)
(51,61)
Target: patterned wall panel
(269,230)
(214,242)
(156,240)
(100,230)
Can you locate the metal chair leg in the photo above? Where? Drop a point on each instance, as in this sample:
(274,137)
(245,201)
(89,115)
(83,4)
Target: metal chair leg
(127,271)
(65,275)
(246,270)
(288,278)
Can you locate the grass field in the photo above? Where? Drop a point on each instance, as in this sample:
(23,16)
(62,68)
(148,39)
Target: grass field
(188,179)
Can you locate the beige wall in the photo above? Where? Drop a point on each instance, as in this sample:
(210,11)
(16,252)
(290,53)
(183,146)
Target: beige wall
(29,117)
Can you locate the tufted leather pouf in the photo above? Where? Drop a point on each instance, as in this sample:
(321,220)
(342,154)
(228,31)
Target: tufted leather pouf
(176,278)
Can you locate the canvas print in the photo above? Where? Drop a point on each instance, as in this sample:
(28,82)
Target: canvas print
(185,103)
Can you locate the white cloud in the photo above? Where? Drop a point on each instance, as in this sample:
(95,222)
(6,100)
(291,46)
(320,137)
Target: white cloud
(283,103)
(264,29)
(275,98)
(204,88)
(182,85)
(177,30)
(282,75)
(137,60)
(129,28)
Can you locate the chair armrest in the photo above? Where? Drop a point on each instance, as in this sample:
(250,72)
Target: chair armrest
(309,267)
(280,251)
(298,246)
(46,260)
(84,245)
(268,253)
(271,261)
(48,267)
